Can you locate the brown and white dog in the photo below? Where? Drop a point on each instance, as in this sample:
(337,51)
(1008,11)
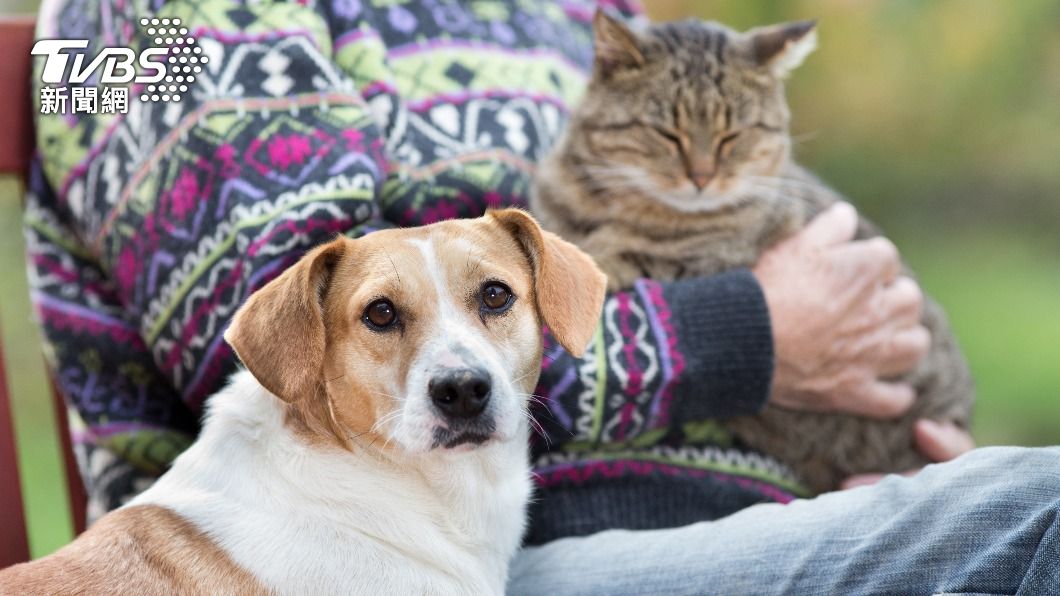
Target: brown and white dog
(376,443)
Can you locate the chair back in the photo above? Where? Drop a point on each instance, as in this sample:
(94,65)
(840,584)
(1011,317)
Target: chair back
(16,120)
(16,150)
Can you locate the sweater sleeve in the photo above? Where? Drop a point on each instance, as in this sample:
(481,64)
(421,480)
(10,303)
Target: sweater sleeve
(164,219)
(664,355)
(94,350)
(128,421)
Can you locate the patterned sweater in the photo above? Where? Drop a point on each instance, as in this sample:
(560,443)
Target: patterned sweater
(147,229)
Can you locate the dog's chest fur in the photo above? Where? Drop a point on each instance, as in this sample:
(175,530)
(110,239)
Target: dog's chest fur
(308,520)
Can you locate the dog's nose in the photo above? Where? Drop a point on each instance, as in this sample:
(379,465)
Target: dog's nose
(460,393)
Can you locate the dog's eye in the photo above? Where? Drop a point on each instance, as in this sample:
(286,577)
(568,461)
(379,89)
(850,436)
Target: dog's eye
(496,297)
(380,315)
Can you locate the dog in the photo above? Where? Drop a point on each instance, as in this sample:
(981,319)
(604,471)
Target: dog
(377,440)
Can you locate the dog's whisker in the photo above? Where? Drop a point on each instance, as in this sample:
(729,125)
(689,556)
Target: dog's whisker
(379,424)
(394,267)
(538,428)
(521,377)
(541,401)
(385,394)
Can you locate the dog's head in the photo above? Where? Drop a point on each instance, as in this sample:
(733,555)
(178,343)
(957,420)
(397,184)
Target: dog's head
(424,338)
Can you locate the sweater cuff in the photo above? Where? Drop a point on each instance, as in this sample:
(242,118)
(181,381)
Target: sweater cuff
(724,332)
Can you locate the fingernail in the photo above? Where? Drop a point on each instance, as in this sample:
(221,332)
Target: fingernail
(929,425)
(860,480)
(845,206)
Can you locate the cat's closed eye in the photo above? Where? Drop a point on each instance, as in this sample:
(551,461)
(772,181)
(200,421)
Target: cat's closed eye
(728,138)
(726,142)
(618,143)
(672,137)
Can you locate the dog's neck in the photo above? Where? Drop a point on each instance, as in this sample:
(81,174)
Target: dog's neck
(303,517)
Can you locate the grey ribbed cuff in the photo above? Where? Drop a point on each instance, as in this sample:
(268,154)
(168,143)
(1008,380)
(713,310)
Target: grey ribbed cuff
(724,333)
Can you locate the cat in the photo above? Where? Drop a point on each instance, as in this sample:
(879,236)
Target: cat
(677,163)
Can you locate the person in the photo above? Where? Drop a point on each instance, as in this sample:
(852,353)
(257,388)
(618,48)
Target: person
(302,120)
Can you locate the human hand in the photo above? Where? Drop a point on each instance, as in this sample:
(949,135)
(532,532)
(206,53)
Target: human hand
(936,441)
(843,318)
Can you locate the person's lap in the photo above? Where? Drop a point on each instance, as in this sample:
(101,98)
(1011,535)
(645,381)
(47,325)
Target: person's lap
(984,523)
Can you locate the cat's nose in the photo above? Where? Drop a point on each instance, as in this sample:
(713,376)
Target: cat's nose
(701,170)
(701,180)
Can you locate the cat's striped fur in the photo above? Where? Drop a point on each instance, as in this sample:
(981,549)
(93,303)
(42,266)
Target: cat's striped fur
(677,163)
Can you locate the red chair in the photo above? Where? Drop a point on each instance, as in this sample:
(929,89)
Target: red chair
(14,547)
(16,39)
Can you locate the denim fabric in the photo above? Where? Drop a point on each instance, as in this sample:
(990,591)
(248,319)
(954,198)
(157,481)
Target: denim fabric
(985,523)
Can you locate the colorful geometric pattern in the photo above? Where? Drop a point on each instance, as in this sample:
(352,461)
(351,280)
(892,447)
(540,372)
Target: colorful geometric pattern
(147,230)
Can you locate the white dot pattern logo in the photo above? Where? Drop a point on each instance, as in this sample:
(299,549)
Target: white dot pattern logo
(184,58)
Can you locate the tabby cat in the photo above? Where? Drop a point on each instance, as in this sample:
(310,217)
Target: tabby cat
(677,163)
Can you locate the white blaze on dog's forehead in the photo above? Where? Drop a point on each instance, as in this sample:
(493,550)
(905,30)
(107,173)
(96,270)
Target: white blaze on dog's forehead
(430,261)
(451,332)
(447,313)
(426,247)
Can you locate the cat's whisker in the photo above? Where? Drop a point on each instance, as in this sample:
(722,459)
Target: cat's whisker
(784,180)
(780,184)
(778,180)
(610,179)
(754,191)
(805,137)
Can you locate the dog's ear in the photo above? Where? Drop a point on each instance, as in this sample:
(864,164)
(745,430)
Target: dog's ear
(569,286)
(278,333)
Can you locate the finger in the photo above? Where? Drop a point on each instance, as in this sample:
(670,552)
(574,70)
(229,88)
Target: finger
(904,300)
(941,441)
(860,480)
(835,225)
(881,399)
(905,349)
(875,259)
(870,479)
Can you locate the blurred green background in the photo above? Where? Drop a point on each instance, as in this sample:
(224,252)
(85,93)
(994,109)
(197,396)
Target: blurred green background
(940,120)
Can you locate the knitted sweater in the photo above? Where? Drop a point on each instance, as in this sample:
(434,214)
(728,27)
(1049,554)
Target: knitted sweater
(146,230)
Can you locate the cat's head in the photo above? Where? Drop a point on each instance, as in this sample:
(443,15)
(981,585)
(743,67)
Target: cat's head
(691,114)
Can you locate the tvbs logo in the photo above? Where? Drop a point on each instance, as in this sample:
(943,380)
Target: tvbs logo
(161,72)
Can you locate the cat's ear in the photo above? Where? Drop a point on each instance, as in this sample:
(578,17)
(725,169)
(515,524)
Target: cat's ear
(782,48)
(614,44)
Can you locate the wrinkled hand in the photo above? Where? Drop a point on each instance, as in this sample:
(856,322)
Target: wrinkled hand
(843,318)
(936,441)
